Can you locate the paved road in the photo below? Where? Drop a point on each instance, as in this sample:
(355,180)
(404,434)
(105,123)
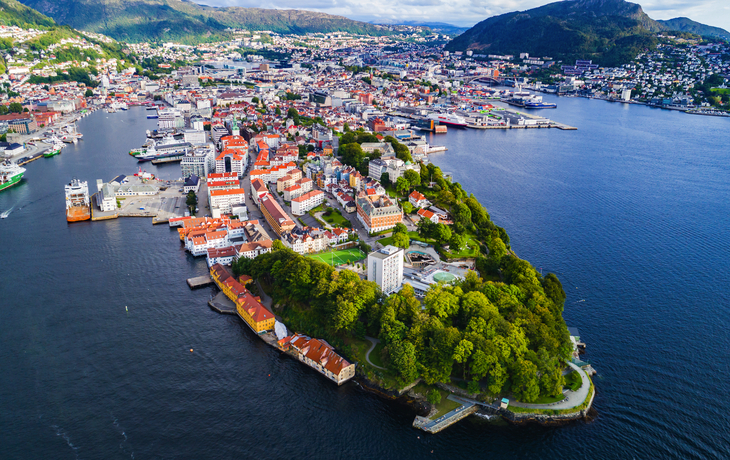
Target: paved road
(374,343)
(572,398)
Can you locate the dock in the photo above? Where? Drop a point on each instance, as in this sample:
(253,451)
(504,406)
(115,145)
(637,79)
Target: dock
(167,160)
(220,303)
(434,426)
(199,281)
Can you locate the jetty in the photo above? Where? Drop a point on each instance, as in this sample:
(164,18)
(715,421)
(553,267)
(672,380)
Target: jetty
(466,408)
(199,281)
(222,304)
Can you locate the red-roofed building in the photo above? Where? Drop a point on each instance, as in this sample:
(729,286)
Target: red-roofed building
(320,355)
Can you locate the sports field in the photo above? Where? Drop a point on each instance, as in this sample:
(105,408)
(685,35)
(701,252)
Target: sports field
(339,257)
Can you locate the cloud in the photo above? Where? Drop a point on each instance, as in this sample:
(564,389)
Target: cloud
(469,12)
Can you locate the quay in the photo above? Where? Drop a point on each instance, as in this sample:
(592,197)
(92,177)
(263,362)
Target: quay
(466,408)
(199,281)
(220,303)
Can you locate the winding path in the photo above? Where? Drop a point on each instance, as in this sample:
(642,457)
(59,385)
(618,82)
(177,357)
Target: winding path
(572,398)
(374,343)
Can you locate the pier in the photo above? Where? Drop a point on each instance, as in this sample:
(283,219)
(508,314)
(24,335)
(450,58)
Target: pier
(220,303)
(434,426)
(199,281)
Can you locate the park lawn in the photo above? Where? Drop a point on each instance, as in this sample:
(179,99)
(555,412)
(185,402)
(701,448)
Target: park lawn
(470,249)
(548,399)
(445,406)
(358,348)
(336,219)
(573,381)
(375,355)
(721,90)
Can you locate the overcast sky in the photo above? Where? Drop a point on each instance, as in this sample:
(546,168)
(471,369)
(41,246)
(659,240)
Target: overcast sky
(469,12)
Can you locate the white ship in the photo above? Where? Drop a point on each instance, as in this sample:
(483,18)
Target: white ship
(448,119)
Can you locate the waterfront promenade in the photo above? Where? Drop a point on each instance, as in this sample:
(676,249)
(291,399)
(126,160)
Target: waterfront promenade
(572,398)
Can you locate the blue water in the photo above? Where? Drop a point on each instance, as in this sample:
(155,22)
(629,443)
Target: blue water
(631,211)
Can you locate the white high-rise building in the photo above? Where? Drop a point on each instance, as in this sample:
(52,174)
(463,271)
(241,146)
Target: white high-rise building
(385,267)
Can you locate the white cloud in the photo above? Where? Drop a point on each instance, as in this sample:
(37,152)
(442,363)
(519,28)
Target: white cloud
(469,12)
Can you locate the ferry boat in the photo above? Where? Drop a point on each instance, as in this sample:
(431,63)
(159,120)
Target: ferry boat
(448,119)
(77,201)
(10,174)
(166,147)
(139,151)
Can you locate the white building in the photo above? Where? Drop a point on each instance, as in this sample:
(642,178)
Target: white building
(194,136)
(308,201)
(385,267)
(199,161)
(225,199)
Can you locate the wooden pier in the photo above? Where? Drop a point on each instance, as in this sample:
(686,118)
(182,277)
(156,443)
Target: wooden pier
(199,281)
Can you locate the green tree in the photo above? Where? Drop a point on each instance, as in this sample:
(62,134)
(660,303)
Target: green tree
(400,228)
(88,93)
(401,240)
(497,249)
(443,233)
(385,179)
(403,361)
(412,177)
(15,107)
(462,352)
(434,396)
(402,185)
(277,111)
(457,242)
(191,201)
(407,207)
(441,302)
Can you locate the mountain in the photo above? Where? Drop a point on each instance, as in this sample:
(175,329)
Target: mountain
(13,13)
(184,20)
(688,25)
(438,27)
(610,32)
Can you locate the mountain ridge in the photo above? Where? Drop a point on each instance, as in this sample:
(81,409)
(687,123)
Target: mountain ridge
(609,31)
(184,20)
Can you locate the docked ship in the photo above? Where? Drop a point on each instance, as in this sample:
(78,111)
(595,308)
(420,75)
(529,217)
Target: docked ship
(448,119)
(55,148)
(529,101)
(10,174)
(164,148)
(77,201)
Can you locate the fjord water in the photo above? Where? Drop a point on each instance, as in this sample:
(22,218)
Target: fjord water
(631,211)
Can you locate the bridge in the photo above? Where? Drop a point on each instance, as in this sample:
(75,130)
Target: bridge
(483,79)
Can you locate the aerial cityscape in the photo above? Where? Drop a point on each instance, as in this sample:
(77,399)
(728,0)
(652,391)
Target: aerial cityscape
(405,237)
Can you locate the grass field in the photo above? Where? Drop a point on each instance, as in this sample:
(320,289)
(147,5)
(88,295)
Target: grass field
(339,257)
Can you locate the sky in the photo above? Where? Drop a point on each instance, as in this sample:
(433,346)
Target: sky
(466,13)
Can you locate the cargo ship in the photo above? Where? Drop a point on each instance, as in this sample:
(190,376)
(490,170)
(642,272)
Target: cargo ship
(10,174)
(77,201)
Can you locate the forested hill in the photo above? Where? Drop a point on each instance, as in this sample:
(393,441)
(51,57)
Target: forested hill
(186,21)
(610,32)
(13,13)
(502,333)
(688,25)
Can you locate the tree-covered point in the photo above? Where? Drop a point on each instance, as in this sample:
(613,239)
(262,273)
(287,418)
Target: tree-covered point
(503,332)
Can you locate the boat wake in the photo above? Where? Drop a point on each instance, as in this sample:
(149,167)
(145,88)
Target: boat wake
(5,214)
(60,432)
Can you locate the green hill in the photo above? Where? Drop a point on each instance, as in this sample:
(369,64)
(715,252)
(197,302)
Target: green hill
(186,21)
(610,32)
(688,25)
(13,13)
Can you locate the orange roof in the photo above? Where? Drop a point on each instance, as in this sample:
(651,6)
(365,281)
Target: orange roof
(233,191)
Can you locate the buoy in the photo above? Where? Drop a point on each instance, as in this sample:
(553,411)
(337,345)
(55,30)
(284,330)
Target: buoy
(191,350)
(125,307)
